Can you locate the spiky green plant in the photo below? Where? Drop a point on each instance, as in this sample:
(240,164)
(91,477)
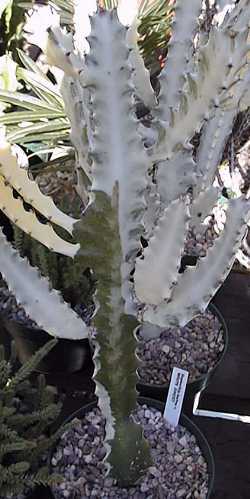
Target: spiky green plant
(199,85)
(12,19)
(27,411)
(155,31)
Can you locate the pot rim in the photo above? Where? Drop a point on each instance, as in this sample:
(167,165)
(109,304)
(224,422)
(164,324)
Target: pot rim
(184,421)
(203,377)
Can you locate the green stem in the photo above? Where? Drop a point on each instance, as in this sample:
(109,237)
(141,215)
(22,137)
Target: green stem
(128,454)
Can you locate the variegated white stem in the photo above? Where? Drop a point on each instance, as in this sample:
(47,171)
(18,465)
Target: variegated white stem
(244,103)
(212,144)
(74,97)
(220,62)
(141,75)
(60,52)
(172,77)
(32,291)
(216,131)
(197,286)
(29,190)
(203,205)
(153,210)
(238,17)
(161,259)
(176,175)
(118,153)
(28,222)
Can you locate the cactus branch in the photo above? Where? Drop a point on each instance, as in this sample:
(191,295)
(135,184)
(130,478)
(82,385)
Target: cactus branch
(29,223)
(18,178)
(172,77)
(46,307)
(115,360)
(196,286)
(161,258)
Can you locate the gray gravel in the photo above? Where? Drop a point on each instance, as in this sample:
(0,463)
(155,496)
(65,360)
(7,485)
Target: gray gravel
(178,471)
(197,244)
(199,241)
(195,347)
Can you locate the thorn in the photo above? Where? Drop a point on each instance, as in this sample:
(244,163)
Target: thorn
(90,60)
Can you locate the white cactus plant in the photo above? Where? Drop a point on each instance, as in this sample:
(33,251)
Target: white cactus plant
(115,154)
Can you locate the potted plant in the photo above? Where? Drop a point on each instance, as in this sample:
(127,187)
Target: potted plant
(199,347)
(27,413)
(114,156)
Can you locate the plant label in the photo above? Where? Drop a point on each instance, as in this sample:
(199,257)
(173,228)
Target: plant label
(175,396)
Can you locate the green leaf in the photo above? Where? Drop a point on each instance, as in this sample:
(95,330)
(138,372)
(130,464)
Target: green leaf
(15,117)
(53,126)
(47,138)
(23,100)
(8,79)
(42,87)
(3,5)
(30,64)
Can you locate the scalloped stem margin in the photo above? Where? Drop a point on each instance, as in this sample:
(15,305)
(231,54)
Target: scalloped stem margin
(118,154)
(28,189)
(29,223)
(197,286)
(114,358)
(161,259)
(32,291)
(172,77)
(218,66)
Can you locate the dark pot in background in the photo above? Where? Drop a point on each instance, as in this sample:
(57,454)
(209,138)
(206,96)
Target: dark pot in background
(188,261)
(184,421)
(159,392)
(67,356)
(41,492)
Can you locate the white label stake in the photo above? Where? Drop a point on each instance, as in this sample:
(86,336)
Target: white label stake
(175,397)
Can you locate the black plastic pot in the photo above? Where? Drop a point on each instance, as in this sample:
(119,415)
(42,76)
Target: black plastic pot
(67,356)
(184,421)
(159,392)
(188,261)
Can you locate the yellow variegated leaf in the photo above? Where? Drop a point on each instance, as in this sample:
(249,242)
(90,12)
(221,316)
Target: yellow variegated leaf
(28,222)
(29,190)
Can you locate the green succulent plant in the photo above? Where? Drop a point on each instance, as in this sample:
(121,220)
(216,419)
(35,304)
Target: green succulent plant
(12,21)
(27,411)
(201,90)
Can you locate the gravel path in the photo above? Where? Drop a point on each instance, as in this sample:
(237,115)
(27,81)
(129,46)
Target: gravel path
(179,469)
(195,347)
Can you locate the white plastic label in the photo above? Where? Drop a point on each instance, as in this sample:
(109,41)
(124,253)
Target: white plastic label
(175,397)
